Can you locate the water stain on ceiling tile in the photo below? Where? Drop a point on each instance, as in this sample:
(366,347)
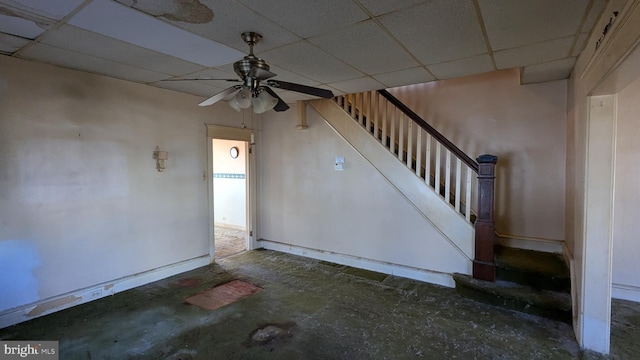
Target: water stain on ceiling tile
(189,11)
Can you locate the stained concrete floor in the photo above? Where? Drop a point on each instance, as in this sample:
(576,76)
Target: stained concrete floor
(310,310)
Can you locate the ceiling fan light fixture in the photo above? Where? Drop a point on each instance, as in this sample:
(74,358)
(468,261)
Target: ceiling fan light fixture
(242,99)
(233,104)
(263,102)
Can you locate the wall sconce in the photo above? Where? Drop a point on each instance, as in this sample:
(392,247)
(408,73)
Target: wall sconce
(160,157)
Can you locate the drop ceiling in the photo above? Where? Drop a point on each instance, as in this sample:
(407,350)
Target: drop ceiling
(342,45)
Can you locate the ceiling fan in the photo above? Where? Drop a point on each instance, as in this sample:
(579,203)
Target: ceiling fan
(252,72)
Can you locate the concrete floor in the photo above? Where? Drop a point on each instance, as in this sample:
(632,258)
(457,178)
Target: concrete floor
(310,310)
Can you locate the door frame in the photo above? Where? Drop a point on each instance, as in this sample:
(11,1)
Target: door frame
(238,134)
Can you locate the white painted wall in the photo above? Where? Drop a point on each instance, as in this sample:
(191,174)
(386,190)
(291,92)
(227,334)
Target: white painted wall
(591,152)
(524,125)
(230,194)
(305,203)
(626,227)
(81,202)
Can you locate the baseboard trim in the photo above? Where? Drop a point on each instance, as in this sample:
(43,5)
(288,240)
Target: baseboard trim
(409,272)
(53,304)
(530,243)
(625,292)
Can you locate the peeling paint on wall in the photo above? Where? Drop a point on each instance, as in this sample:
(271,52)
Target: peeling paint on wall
(54,304)
(190,11)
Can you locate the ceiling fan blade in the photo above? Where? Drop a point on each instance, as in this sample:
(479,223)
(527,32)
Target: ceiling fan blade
(327,94)
(281,105)
(260,74)
(219,96)
(232,80)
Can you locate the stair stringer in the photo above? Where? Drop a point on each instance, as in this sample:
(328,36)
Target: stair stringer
(452,225)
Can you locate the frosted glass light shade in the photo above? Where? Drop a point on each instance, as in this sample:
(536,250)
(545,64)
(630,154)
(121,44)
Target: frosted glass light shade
(263,102)
(243,98)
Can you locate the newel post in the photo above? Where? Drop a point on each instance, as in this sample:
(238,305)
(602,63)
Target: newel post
(484,267)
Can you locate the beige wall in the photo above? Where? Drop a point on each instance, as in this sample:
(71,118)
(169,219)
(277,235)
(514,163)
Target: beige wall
(626,227)
(524,125)
(80,199)
(305,203)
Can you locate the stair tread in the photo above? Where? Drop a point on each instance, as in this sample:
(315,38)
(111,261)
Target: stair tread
(531,261)
(540,298)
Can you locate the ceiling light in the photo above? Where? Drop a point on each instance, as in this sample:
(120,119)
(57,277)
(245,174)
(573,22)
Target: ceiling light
(242,100)
(263,102)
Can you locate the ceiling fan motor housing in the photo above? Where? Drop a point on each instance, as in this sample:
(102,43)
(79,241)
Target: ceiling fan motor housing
(243,68)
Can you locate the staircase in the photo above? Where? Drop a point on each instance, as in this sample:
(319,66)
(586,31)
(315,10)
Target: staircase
(456,194)
(528,281)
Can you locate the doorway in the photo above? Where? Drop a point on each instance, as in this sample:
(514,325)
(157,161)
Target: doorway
(230,180)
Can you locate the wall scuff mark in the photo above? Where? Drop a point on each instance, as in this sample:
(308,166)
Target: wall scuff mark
(50,305)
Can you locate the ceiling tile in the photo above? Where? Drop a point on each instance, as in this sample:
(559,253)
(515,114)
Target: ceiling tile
(327,15)
(211,73)
(379,7)
(357,85)
(554,70)
(448,30)
(580,44)
(11,44)
(360,44)
(21,27)
(87,42)
(52,9)
(533,54)
(285,75)
(73,60)
(292,96)
(405,77)
(120,22)
(198,88)
(596,9)
(306,59)
(463,67)
(517,23)
(230,19)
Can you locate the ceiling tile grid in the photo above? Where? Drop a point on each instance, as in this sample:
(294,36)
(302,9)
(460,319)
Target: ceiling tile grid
(462,67)
(304,58)
(349,45)
(518,23)
(230,19)
(73,60)
(10,43)
(361,48)
(553,70)
(416,75)
(438,31)
(104,47)
(533,54)
(309,17)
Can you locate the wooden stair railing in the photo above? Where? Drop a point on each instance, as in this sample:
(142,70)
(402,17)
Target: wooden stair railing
(421,148)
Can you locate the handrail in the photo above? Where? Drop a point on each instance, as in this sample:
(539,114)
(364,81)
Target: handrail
(429,129)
